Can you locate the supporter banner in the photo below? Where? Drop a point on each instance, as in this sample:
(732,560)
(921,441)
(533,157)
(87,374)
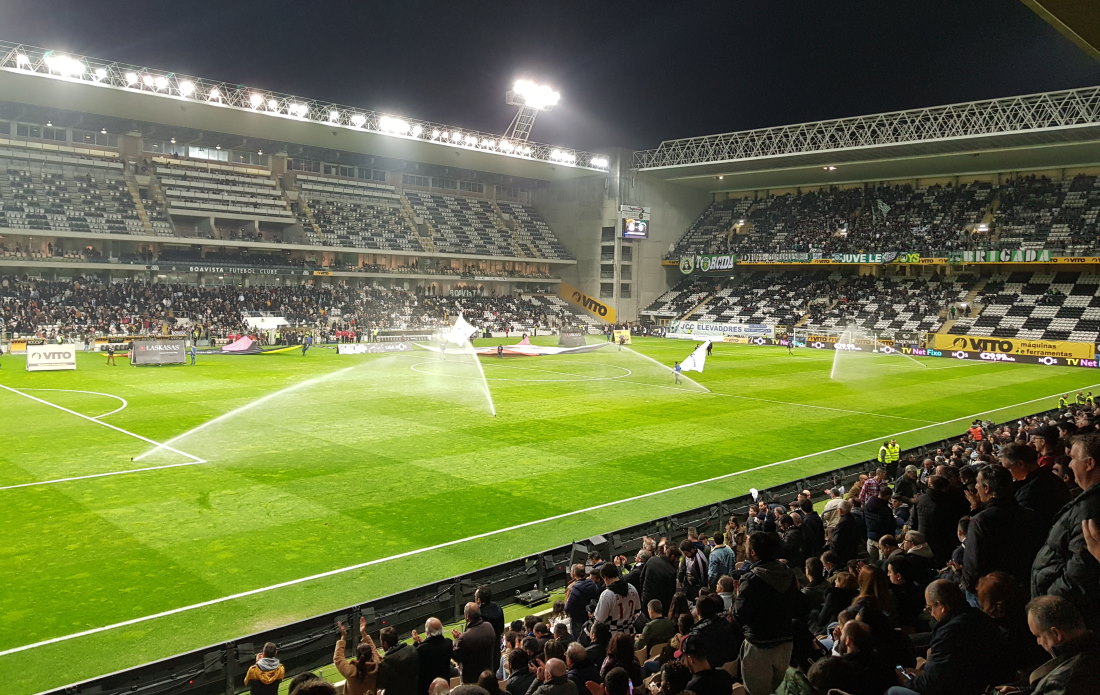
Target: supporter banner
(782,257)
(814,258)
(696,329)
(623,336)
(1002,256)
(323,273)
(158,352)
(589,304)
(51,358)
(371,348)
(1012,346)
(708,263)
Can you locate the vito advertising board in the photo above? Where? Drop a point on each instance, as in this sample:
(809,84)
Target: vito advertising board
(1012,346)
(587,302)
(697,329)
(51,358)
(371,348)
(146,352)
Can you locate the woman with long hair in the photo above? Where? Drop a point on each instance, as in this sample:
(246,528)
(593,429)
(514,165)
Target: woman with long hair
(360,675)
(874,591)
(679,606)
(620,654)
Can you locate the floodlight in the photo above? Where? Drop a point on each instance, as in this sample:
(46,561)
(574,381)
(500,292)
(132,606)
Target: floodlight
(272,105)
(255,100)
(391,124)
(131,78)
(161,82)
(599,162)
(217,147)
(173,141)
(436,134)
(456,136)
(22,60)
(299,110)
(535,96)
(260,152)
(471,140)
(64,65)
(102,131)
(333,116)
(358,120)
(486,142)
(417,130)
(187,88)
(147,80)
(100,74)
(506,146)
(555,154)
(215,94)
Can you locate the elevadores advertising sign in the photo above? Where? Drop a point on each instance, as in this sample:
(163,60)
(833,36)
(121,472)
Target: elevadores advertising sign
(697,330)
(51,357)
(587,302)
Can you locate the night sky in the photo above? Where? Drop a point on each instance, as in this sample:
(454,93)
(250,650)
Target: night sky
(631,73)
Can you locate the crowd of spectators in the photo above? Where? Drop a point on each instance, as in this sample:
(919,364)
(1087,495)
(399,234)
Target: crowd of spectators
(967,570)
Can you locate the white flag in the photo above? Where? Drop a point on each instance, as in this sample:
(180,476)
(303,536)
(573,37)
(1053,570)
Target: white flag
(696,360)
(460,332)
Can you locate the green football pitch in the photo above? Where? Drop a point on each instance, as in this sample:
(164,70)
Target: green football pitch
(150,511)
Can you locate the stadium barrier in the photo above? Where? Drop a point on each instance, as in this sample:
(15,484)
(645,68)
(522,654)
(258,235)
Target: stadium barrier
(308,644)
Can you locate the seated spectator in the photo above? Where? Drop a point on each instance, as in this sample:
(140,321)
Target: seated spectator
(725,591)
(561,634)
(874,674)
(837,598)
(620,654)
(264,676)
(659,629)
(361,675)
(674,678)
(580,669)
(550,680)
(520,676)
(713,629)
(1059,628)
(488,682)
(874,591)
(815,586)
(908,593)
(1003,599)
(706,678)
(314,686)
(600,639)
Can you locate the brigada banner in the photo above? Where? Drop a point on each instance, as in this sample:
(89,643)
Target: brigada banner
(698,329)
(1001,256)
(1012,346)
(158,352)
(584,301)
(51,357)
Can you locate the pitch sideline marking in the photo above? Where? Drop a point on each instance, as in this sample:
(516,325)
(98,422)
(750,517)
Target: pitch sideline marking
(108,425)
(125,403)
(488,534)
(103,475)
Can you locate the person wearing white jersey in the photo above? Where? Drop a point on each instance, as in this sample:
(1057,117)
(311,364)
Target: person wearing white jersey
(619,603)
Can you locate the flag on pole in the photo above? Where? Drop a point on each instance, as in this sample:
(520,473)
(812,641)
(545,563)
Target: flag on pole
(460,332)
(695,361)
(883,207)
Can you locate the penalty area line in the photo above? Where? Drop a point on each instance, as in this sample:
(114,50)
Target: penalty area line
(489,534)
(108,425)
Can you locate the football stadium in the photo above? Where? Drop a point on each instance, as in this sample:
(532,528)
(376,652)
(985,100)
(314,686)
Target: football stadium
(284,381)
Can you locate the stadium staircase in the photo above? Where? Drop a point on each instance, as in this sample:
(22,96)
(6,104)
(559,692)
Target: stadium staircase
(970,300)
(698,307)
(418,228)
(807,316)
(142,213)
(512,227)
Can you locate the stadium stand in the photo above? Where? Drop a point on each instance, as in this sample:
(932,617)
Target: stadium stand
(1051,306)
(212,189)
(358,214)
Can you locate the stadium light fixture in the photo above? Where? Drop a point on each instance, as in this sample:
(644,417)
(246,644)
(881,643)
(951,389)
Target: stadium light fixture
(535,96)
(391,124)
(147,80)
(333,116)
(272,105)
(187,88)
(22,61)
(298,109)
(161,82)
(64,65)
(102,131)
(131,78)
(417,130)
(829,168)
(358,120)
(214,94)
(99,74)
(456,136)
(436,134)
(600,162)
(470,140)
(255,100)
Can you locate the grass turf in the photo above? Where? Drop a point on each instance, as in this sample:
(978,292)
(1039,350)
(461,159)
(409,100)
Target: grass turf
(324,462)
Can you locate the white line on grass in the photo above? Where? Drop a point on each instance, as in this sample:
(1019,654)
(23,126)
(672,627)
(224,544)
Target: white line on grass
(243,408)
(108,425)
(488,534)
(94,393)
(104,475)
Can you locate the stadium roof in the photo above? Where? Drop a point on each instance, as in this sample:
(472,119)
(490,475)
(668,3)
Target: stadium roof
(44,78)
(1048,130)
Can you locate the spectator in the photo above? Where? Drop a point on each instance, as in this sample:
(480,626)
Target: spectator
(937,517)
(964,657)
(580,669)
(815,587)
(314,686)
(659,576)
(488,682)
(725,591)
(908,593)
(433,654)
(878,516)
(492,614)
(1063,566)
(1002,534)
(1060,629)
(813,528)
(360,676)
(846,535)
(1003,599)
(601,638)
(1037,489)
(475,646)
(619,603)
(721,561)
(620,654)
(874,591)
(658,630)
(837,598)
(706,678)
(764,608)
(719,639)
(675,676)
(873,674)
(872,485)
(692,574)
(399,673)
(264,676)
(550,680)
(908,485)
(520,675)
(580,591)
(562,636)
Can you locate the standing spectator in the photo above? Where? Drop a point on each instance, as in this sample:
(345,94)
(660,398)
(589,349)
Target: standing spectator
(721,561)
(871,485)
(908,485)
(492,614)
(1064,567)
(829,514)
(1059,628)
(400,670)
(360,676)
(659,576)
(1002,534)
(619,603)
(937,517)
(579,593)
(813,528)
(765,608)
(433,654)
(475,646)
(878,516)
(846,535)
(693,569)
(1037,489)
(264,676)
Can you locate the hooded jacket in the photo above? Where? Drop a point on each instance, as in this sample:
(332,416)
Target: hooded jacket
(766,603)
(619,606)
(264,676)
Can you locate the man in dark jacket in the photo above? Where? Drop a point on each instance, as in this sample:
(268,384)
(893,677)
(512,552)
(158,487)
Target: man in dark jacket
(1063,566)
(400,670)
(492,614)
(581,591)
(846,534)
(659,577)
(475,646)
(964,657)
(550,680)
(1037,488)
(937,516)
(1002,535)
(878,515)
(1060,629)
(433,652)
(765,606)
(580,669)
(813,528)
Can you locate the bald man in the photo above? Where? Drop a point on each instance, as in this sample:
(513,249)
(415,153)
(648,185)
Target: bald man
(550,680)
(474,646)
(434,651)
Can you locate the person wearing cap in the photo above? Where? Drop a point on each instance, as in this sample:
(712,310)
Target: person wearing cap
(706,679)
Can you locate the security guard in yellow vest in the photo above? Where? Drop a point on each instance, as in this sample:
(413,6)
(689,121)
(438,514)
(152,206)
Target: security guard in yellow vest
(884,453)
(1088,399)
(1063,401)
(1080,398)
(893,453)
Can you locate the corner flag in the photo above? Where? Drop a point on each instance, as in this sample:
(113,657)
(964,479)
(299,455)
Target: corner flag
(696,360)
(460,332)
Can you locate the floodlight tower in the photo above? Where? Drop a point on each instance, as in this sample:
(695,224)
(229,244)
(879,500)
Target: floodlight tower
(530,98)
